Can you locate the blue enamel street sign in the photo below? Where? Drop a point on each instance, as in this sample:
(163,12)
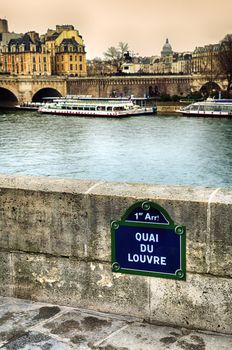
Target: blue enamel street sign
(146,241)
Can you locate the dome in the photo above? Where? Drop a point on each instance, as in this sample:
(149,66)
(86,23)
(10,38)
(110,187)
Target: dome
(167,49)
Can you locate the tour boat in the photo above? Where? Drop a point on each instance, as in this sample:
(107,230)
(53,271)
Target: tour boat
(97,107)
(34,106)
(30,106)
(209,108)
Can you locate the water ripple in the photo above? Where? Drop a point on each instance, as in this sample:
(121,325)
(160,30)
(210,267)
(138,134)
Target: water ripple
(161,149)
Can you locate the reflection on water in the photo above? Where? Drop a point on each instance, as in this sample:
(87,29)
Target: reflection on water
(151,149)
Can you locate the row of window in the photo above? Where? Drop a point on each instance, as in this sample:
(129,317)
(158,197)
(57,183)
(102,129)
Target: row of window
(22,68)
(21,59)
(71,58)
(211,108)
(72,67)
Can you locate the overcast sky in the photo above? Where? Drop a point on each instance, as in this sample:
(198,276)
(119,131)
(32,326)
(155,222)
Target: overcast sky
(144,25)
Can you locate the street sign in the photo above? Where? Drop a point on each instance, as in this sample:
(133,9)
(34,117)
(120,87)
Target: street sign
(146,241)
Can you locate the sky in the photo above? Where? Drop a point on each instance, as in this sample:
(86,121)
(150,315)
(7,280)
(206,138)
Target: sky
(144,25)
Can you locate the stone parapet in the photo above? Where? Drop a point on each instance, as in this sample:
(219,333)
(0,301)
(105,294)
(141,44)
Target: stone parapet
(55,246)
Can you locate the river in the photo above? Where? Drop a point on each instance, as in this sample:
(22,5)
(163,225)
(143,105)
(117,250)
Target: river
(162,149)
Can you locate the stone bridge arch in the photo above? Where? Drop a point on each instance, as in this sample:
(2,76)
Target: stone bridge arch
(8,97)
(44,92)
(210,88)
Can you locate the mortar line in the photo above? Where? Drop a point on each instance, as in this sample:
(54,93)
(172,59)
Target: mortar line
(92,187)
(208,228)
(99,342)
(12,276)
(149,297)
(51,335)
(51,319)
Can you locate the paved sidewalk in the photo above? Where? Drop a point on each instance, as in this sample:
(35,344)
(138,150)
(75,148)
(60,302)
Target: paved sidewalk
(33,326)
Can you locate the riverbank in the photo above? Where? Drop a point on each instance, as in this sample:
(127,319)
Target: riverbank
(169,107)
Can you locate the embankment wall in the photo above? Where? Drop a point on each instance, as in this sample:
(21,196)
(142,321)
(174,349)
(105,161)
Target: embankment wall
(55,246)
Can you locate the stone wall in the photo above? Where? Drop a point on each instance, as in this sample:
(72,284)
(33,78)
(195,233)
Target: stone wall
(55,247)
(126,86)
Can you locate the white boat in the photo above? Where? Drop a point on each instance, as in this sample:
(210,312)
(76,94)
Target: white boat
(31,106)
(34,106)
(209,108)
(97,107)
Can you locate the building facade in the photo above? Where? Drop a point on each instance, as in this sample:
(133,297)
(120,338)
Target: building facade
(26,56)
(58,52)
(203,61)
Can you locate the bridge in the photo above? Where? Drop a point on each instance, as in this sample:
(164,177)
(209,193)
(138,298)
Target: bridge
(15,89)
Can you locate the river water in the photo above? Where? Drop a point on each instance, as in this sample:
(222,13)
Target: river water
(152,149)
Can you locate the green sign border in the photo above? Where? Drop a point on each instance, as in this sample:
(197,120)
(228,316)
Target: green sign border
(179,230)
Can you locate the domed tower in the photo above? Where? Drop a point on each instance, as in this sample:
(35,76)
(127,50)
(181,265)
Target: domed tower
(167,49)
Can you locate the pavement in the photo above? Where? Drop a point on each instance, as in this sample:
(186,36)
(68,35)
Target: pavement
(31,325)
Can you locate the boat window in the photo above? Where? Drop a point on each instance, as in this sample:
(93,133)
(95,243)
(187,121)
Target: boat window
(227,108)
(109,108)
(194,107)
(209,108)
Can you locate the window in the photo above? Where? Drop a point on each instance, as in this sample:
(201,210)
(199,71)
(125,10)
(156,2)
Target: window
(80,66)
(80,58)
(71,67)
(70,57)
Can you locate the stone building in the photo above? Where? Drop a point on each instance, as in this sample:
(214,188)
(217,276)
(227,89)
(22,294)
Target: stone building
(5,37)
(26,56)
(58,52)
(182,63)
(204,59)
(68,55)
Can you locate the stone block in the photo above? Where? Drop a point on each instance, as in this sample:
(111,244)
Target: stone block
(6,275)
(70,282)
(83,329)
(220,237)
(202,302)
(101,211)
(44,222)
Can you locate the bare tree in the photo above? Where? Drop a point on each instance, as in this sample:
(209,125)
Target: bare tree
(95,67)
(225,61)
(116,55)
(210,69)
